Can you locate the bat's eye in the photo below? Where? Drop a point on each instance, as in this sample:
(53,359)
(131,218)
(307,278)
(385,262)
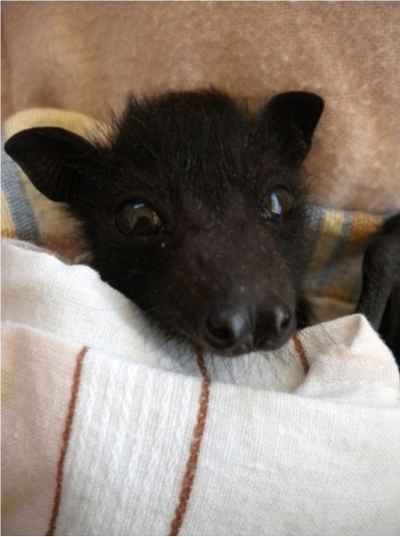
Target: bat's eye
(136,218)
(278,203)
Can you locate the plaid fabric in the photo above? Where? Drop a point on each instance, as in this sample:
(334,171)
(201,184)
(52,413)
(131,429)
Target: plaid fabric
(18,219)
(338,241)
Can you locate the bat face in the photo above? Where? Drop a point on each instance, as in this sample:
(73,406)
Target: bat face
(193,210)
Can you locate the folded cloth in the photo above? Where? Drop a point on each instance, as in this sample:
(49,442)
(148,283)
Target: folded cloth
(108,430)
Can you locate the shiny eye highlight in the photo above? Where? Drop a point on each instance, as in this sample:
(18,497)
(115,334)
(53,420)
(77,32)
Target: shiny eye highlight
(277,204)
(137,219)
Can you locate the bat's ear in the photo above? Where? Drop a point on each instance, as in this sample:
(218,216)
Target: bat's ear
(58,162)
(290,119)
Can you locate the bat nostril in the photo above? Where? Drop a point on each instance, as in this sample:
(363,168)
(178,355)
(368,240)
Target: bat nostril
(227,328)
(282,319)
(274,326)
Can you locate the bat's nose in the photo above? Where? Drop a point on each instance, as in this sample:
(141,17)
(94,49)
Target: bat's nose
(228,329)
(232,329)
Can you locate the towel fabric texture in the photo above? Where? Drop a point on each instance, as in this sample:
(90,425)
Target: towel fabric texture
(111,432)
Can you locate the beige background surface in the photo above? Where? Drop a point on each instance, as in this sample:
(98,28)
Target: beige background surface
(86,56)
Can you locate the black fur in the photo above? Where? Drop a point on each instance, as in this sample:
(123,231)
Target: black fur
(216,253)
(380,294)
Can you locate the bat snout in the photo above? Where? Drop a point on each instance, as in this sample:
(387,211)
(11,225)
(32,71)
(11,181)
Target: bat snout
(231,329)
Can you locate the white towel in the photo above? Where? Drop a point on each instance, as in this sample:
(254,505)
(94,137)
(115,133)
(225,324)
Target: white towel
(108,431)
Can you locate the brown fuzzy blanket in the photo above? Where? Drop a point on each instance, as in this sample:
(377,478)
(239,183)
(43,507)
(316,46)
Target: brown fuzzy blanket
(86,56)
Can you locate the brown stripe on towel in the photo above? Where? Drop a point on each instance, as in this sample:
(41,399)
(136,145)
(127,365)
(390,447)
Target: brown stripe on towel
(191,465)
(65,439)
(301,353)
